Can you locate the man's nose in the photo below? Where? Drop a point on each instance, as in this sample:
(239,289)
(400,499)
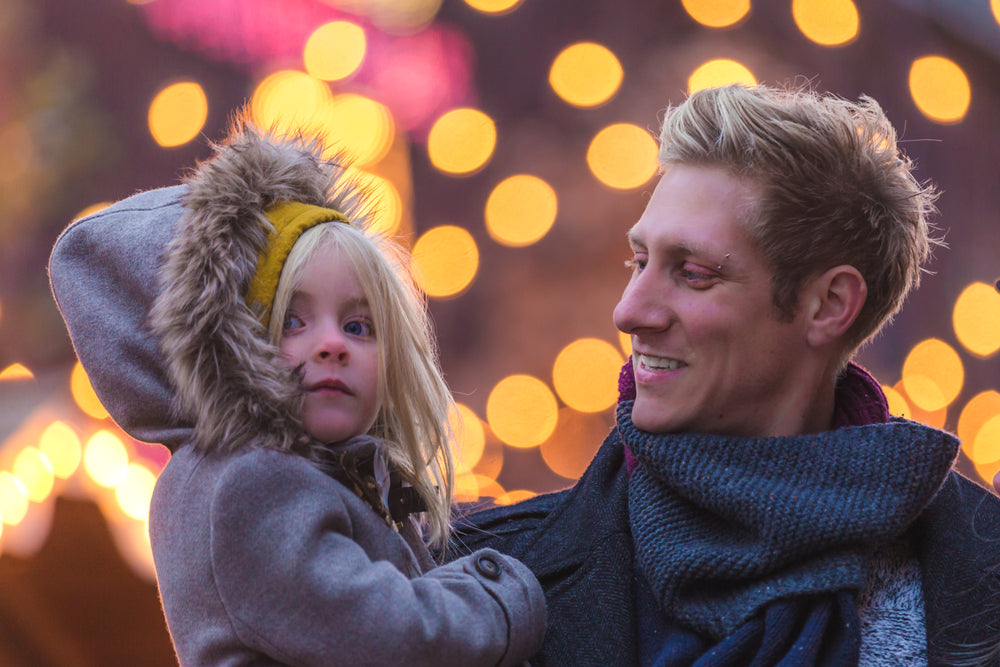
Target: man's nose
(643,306)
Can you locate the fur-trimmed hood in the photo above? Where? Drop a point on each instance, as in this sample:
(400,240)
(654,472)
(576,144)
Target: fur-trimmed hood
(153,291)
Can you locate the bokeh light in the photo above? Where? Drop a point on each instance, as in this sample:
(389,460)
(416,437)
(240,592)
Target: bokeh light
(976,319)
(84,395)
(995,6)
(446,259)
(178,113)
(585,374)
(461,141)
(720,72)
(522,411)
(932,375)
(520,210)
(494,6)
(91,210)
(940,89)
(625,342)
(13,499)
(980,409)
(335,50)
(470,438)
(470,487)
(358,126)
(827,22)
(623,156)
(570,448)
(34,469)
(717,13)
(586,74)
(105,458)
(898,405)
(134,491)
(386,211)
(16,372)
(289,101)
(515,496)
(60,443)
(986,446)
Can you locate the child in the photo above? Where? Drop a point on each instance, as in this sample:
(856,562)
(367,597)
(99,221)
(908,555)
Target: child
(308,426)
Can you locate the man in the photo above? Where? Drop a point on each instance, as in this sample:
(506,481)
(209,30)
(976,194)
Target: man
(756,504)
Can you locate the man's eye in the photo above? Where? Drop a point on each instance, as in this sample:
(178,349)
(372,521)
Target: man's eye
(696,278)
(292,321)
(636,263)
(363,328)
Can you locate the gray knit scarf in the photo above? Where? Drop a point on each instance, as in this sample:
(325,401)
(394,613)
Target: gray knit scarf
(723,526)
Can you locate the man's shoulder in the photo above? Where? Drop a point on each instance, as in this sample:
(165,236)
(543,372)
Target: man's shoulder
(502,526)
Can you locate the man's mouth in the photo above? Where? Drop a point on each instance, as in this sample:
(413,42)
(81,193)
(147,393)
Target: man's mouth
(659,363)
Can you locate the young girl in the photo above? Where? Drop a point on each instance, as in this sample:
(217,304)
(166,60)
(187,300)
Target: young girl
(309,423)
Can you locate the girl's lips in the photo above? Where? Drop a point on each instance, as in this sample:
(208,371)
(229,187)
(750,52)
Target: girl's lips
(329,386)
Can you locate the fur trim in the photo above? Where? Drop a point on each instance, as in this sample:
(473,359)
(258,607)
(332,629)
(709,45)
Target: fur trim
(227,375)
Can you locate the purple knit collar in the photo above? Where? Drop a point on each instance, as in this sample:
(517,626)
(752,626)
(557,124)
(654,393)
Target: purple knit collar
(858,400)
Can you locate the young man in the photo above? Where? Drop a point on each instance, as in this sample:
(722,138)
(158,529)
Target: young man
(756,504)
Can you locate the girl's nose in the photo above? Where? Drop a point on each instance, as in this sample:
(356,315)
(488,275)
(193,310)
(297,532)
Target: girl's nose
(331,345)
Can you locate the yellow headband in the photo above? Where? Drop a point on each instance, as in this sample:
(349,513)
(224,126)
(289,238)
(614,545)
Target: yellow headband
(290,219)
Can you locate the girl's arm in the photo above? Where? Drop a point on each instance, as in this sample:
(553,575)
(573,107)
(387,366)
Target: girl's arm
(298,585)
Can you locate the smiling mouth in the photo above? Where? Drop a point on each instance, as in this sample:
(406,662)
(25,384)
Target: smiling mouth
(659,363)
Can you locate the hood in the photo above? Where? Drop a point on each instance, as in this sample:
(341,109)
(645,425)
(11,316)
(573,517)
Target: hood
(153,292)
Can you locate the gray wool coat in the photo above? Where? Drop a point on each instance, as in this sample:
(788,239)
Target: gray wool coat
(261,558)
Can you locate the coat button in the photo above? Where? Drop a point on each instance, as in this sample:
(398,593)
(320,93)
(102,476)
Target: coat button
(488,567)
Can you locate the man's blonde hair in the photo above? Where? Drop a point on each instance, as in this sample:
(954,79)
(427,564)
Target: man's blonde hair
(415,401)
(835,189)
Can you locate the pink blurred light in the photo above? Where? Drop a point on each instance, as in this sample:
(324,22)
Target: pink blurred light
(417,76)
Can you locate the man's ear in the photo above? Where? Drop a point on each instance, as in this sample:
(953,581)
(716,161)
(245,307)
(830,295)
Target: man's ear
(833,301)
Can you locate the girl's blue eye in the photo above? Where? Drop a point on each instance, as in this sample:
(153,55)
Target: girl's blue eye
(359,328)
(292,321)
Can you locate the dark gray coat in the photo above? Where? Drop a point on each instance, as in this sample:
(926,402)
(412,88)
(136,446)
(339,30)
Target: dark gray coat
(261,558)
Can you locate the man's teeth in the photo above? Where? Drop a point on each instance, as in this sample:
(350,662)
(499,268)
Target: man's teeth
(660,363)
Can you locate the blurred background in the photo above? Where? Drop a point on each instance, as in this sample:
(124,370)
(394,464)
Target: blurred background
(511,143)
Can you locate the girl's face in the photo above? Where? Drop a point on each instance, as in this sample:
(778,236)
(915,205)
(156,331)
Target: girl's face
(328,330)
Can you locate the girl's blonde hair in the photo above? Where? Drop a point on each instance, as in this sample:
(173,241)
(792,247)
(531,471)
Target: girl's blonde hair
(415,401)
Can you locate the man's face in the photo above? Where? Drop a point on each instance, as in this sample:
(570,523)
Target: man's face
(709,352)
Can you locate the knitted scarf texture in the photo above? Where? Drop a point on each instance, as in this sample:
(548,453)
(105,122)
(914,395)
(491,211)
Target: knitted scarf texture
(733,533)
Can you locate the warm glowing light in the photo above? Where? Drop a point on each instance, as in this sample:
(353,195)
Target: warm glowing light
(826,22)
(623,156)
(178,113)
(491,462)
(289,101)
(335,50)
(933,374)
(61,446)
(470,438)
(976,318)
(521,210)
(386,212)
(986,446)
(471,487)
(933,418)
(105,459)
(446,259)
(461,141)
(13,499)
(522,411)
(717,13)
(577,437)
(625,341)
(995,6)
(585,374)
(940,89)
(16,372)
(494,6)
(980,409)
(585,74)
(34,469)
(720,72)
(134,491)
(898,406)
(84,395)
(91,210)
(359,127)
(515,496)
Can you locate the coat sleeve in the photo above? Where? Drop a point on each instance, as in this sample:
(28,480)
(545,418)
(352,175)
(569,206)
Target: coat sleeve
(298,587)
